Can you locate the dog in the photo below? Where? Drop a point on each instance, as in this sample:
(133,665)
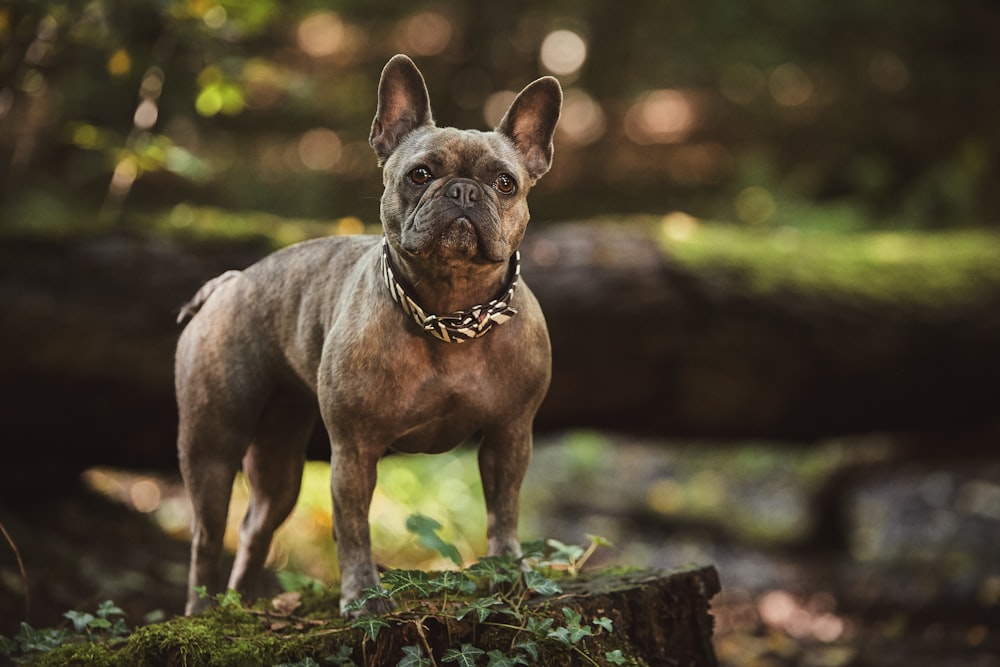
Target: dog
(415,342)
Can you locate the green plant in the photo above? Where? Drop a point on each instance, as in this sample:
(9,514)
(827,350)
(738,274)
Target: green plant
(502,609)
(494,592)
(105,624)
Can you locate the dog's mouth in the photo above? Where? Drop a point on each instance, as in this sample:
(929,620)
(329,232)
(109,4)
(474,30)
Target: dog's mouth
(462,237)
(459,237)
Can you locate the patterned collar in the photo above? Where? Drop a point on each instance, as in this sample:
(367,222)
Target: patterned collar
(461,325)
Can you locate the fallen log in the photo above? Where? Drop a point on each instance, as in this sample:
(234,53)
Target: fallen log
(642,343)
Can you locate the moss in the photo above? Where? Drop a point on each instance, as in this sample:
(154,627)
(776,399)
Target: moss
(925,268)
(78,655)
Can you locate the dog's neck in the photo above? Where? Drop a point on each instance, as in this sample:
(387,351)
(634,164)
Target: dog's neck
(449,317)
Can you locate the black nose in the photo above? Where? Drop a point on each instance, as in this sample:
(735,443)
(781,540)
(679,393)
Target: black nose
(464,192)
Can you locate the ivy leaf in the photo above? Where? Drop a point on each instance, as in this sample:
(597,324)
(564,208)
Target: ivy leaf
(498,659)
(604,623)
(80,619)
(30,639)
(370,593)
(541,584)
(482,608)
(496,569)
(572,616)
(566,554)
(530,648)
(342,658)
(109,608)
(407,581)
(533,550)
(413,656)
(425,528)
(465,656)
(371,625)
(615,657)
(305,662)
(573,632)
(451,581)
(99,624)
(561,634)
(539,626)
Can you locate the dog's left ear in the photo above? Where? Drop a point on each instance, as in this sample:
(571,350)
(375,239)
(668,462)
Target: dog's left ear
(531,121)
(403,106)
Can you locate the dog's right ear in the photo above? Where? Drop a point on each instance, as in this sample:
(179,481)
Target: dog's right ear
(403,106)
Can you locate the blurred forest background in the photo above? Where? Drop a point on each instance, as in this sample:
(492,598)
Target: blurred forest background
(768,250)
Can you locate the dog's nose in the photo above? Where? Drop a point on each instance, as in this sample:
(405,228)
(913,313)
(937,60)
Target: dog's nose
(464,192)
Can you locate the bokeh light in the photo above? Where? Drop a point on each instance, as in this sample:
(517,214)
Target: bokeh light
(496,106)
(320,34)
(790,86)
(425,34)
(888,72)
(660,116)
(563,52)
(583,120)
(319,149)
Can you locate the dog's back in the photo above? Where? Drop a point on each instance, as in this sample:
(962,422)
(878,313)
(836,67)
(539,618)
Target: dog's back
(191,308)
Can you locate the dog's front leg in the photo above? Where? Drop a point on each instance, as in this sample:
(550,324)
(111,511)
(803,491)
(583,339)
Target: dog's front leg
(352,482)
(503,461)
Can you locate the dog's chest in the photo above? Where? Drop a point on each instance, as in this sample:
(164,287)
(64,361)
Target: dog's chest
(412,401)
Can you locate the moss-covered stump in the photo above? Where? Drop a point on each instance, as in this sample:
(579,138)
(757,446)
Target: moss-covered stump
(611,617)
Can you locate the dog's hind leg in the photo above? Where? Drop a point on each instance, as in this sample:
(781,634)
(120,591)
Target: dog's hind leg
(273,467)
(208,473)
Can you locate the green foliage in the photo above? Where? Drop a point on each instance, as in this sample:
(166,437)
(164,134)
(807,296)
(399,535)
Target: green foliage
(615,657)
(923,268)
(503,608)
(371,625)
(106,624)
(413,656)
(464,656)
(493,594)
(296,581)
(481,607)
(426,529)
(218,96)
(573,556)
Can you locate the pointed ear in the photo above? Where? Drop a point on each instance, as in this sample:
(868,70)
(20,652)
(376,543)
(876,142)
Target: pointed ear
(531,121)
(403,106)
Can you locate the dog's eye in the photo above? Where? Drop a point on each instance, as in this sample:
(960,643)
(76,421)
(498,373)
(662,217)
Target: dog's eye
(421,176)
(505,184)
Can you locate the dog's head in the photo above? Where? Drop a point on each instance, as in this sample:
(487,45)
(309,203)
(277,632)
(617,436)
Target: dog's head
(458,195)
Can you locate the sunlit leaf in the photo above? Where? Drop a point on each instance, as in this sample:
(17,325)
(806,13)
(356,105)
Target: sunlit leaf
(540,584)
(451,581)
(482,607)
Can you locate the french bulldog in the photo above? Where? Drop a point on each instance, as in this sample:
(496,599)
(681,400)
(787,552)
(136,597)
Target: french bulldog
(415,342)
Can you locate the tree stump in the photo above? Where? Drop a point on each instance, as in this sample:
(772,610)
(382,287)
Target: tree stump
(639,617)
(658,617)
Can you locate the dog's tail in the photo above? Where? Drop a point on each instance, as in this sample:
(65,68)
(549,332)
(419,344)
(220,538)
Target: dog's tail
(191,308)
